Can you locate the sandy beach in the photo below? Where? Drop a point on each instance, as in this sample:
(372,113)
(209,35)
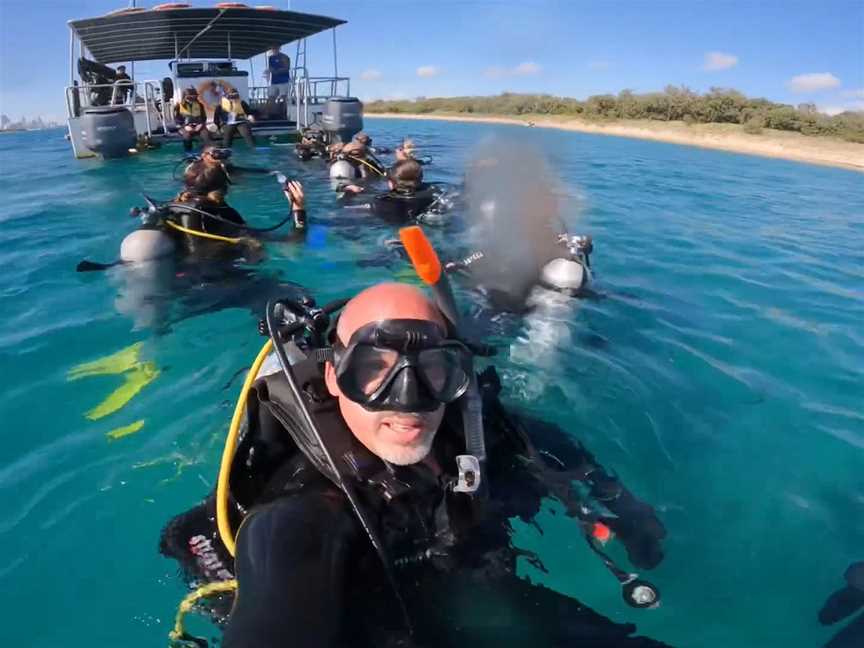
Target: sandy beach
(725,137)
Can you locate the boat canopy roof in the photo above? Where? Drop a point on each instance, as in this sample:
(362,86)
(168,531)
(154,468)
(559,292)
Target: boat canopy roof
(149,35)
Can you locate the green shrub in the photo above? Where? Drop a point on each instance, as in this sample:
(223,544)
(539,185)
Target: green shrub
(674,103)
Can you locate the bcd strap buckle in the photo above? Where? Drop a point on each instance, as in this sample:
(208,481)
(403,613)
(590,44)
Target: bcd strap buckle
(468,480)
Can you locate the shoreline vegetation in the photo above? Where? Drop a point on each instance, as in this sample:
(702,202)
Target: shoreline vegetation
(721,119)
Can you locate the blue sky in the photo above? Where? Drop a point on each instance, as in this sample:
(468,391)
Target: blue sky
(790,51)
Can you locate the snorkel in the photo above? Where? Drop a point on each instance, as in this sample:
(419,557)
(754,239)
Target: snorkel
(428,267)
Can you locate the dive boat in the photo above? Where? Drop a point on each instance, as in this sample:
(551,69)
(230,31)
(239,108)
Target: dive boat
(110,117)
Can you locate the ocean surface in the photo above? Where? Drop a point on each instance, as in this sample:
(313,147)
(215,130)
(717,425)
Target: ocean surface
(718,371)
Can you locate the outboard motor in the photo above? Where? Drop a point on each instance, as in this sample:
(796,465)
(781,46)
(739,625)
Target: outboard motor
(109,130)
(342,118)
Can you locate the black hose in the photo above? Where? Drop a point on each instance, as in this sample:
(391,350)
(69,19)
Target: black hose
(225,221)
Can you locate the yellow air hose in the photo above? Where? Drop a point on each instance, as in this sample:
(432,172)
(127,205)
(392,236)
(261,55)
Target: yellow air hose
(368,164)
(178,633)
(225,532)
(192,232)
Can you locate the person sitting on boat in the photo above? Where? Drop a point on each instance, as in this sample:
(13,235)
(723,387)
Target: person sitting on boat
(191,116)
(124,85)
(233,114)
(279,73)
(844,603)
(362,511)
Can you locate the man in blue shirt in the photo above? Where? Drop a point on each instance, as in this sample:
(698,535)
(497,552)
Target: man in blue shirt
(279,72)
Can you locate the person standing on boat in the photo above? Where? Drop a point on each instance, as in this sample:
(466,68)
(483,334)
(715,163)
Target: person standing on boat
(124,85)
(233,114)
(191,116)
(279,72)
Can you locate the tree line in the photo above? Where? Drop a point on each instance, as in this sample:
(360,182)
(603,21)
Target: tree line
(717,106)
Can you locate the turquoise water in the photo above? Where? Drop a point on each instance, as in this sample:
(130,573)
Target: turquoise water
(719,373)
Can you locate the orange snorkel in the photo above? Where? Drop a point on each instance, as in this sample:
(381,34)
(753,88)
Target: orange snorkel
(428,267)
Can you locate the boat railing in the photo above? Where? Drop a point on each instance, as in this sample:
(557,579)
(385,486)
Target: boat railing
(305,91)
(137,96)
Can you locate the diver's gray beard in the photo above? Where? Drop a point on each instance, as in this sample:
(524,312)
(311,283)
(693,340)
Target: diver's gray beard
(407,455)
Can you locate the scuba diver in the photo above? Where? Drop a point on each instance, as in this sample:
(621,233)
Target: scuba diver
(562,264)
(313,143)
(193,257)
(191,116)
(371,490)
(844,603)
(201,226)
(408,196)
(208,171)
(212,170)
(517,237)
(355,160)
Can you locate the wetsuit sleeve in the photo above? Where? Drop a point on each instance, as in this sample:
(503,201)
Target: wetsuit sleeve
(291,567)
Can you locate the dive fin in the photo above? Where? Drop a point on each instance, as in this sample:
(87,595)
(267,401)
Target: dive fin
(116,363)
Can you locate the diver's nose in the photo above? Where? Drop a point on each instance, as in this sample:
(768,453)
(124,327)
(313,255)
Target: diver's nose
(408,394)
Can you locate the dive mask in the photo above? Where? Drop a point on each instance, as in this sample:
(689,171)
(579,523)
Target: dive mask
(220,153)
(403,365)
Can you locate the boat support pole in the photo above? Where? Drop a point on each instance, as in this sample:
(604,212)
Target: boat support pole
(335,66)
(203,31)
(71,56)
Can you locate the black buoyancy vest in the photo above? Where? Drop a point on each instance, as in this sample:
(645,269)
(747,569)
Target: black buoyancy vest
(406,500)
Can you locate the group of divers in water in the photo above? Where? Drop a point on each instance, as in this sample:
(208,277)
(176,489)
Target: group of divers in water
(371,474)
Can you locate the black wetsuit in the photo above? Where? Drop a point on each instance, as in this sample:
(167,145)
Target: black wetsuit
(395,206)
(844,603)
(308,575)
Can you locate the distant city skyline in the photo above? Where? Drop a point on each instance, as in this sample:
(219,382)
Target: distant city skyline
(791,52)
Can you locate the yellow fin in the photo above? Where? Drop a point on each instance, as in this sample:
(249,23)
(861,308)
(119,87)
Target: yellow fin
(137,378)
(116,363)
(126,430)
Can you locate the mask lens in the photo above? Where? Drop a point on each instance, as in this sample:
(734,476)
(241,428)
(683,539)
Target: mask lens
(368,368)
(444,371)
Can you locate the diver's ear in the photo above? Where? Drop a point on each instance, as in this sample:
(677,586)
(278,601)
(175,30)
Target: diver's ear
(330,380)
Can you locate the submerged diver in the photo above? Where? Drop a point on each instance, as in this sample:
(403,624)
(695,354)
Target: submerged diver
(844,603)
(359,492)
